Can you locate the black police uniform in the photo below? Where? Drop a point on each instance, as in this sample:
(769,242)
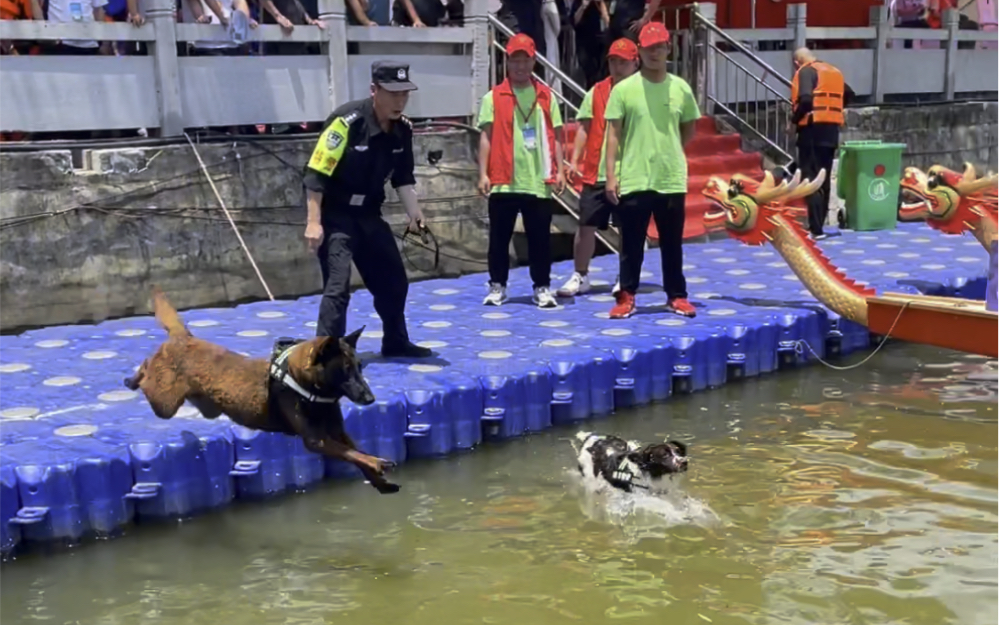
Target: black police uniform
(349,166)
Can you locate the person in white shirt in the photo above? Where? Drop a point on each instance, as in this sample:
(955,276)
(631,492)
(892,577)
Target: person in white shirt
(192,11)
(77,12)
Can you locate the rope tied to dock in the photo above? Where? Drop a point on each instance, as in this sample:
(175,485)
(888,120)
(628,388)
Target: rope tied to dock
(235,229)
(802,342)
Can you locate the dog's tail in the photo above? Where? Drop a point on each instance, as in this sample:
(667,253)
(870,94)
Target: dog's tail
(167,315)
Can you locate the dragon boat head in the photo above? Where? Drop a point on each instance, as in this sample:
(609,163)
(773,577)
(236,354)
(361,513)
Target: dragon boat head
(743,205)
(948,200)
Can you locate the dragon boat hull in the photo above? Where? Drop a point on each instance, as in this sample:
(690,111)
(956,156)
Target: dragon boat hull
(948,322)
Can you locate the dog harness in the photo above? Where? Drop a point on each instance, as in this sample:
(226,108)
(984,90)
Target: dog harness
(623,478)
(279,371)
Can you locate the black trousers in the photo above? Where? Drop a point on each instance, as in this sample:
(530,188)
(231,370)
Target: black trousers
(369,242)
(537,218)
(632,217)
(811,159)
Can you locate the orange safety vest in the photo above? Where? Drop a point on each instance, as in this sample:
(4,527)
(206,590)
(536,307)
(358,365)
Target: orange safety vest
(827,98)
(500,168)
(15,10)
(590,166)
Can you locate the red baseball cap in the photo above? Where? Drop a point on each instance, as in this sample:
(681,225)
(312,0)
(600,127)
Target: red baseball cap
(624,49)
(653,33)
(521,43)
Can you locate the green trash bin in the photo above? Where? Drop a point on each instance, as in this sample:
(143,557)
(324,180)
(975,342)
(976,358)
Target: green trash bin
(868,181)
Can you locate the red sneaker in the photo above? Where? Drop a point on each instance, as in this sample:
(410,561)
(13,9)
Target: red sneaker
(681,306)
(625,306)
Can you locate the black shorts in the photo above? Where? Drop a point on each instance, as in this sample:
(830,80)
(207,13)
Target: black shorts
(594,208)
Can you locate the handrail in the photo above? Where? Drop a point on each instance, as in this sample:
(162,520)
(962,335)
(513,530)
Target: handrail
(741,48)
(559,74)
(751,128)
(761,81)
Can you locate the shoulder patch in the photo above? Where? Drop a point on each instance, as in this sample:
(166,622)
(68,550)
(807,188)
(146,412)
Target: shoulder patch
(406,120)
(351,117)
(334,140)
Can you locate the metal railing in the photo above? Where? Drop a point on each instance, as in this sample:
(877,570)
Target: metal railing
(703,54)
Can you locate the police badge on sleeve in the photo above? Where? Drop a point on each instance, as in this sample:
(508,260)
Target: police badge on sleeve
(333,140)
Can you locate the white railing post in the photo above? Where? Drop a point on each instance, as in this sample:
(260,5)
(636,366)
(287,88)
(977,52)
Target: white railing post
(334,14)
(160,14)
(880,20)
(476,18)
(797,21)
(951,20)
(706,69)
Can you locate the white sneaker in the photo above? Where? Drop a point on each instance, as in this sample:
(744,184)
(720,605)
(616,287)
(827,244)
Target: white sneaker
(497,295)
(576,285)
(617,286)
(543,298)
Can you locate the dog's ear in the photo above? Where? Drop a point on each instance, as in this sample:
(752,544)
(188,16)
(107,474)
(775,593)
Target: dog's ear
(680,446)
(324,350)
(351,339)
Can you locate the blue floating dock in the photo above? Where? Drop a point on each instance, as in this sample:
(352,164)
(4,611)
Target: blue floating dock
(82,456)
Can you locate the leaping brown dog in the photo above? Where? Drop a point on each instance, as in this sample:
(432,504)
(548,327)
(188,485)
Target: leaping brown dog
(297,394)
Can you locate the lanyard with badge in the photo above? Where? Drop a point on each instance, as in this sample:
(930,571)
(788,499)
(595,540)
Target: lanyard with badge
(530,135)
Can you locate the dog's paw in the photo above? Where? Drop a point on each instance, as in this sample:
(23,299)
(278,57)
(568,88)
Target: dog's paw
(387,488)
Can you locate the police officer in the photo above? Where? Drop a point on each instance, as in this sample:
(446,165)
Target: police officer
(364,144)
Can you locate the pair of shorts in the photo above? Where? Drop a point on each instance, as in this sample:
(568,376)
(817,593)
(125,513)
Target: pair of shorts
(595,209)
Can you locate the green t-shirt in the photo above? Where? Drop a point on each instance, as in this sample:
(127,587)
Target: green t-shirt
(585,113)
(528,167)
(650,150)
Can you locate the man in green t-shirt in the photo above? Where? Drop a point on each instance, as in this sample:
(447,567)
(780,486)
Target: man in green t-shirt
(520,162)
(650,118)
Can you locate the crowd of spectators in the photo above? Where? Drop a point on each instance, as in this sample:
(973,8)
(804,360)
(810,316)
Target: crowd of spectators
(573,35)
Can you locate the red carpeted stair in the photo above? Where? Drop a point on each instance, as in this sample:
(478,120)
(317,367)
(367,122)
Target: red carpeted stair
(709,154)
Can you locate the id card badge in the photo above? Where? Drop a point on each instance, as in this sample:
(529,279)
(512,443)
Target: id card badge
(530,138)
(76,10)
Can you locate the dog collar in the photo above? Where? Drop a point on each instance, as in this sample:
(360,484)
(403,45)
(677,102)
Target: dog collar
(279,371)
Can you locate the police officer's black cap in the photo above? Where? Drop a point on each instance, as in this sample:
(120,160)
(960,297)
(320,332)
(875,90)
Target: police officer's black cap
(391,76)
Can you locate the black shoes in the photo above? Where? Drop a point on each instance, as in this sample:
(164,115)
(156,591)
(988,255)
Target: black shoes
(406,350)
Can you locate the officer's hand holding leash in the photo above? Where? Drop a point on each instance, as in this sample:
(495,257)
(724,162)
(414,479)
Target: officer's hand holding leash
(407,195)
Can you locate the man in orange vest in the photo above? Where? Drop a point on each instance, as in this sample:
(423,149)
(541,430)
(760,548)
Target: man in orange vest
(817,95)
(594,207)
(520,164)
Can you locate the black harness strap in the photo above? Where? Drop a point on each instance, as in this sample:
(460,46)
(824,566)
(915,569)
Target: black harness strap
(279,372)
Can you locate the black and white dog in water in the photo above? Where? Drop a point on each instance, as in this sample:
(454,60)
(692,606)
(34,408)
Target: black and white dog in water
(627,465)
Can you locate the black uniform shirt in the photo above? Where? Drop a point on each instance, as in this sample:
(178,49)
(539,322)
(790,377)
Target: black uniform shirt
(354,158)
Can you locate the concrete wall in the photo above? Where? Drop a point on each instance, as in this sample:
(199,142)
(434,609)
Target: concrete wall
(945,134)
(84,245)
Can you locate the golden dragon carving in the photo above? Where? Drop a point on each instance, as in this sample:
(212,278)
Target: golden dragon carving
(953,203)
(756,213)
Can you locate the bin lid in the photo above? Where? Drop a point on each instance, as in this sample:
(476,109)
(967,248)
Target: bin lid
(872,145)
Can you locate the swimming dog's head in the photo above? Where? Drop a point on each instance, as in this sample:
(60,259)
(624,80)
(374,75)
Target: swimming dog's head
(329,367)
(660,459)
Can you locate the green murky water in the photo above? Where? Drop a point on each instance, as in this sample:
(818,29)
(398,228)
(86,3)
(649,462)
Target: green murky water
(819,497)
